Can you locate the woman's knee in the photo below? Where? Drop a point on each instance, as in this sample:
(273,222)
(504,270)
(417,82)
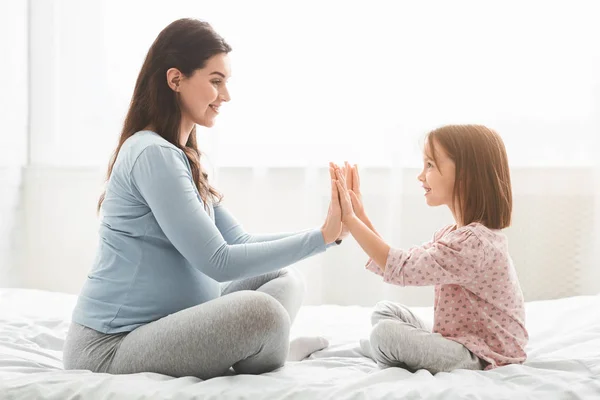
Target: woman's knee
(267,316)
(297,283)
(267,327)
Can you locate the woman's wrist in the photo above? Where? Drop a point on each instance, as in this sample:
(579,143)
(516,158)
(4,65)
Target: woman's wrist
(325,235)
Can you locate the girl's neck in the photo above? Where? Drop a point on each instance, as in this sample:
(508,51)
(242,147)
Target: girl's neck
(457,220)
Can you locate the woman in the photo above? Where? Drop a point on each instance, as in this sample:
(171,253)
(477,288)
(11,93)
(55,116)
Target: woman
(153,301)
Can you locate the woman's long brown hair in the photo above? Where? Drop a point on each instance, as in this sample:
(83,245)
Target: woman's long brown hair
(185,44)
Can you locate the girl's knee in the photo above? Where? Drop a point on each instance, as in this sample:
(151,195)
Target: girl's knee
(380,340)
(383,309)
(382,332)
(388,334)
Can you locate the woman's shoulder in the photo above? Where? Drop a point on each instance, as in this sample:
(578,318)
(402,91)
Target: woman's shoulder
(149,144)
(140,141)
(145,148)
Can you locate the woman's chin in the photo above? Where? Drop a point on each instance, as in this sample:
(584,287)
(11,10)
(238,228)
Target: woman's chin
(207,123)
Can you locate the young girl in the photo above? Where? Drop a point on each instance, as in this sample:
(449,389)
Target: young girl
(479,315)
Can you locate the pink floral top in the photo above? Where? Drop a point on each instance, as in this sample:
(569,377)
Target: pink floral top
(478,299)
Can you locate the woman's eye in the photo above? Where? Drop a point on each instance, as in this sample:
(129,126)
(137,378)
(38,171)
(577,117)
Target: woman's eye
(217,82)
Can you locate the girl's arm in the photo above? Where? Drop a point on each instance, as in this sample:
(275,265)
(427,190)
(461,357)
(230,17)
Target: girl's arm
(364,234)
(369,240)
(454,258)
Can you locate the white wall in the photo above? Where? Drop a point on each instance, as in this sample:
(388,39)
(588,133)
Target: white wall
(47,210)
(13,135)
(551,239)
(322,88)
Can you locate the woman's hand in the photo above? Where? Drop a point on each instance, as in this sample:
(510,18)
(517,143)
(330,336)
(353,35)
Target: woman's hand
(332,228)
(332,166)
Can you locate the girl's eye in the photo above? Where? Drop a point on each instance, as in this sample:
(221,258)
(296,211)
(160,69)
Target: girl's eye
(429,165)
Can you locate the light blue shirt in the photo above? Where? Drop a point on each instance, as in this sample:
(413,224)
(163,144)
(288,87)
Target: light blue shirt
(160,251)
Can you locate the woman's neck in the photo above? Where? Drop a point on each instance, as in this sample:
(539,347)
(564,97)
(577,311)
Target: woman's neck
(184,133)
(185,130)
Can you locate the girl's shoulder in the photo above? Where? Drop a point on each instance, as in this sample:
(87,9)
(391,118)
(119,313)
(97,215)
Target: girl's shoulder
(476,230)
(484,233)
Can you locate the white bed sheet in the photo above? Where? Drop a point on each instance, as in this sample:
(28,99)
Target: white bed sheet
(563,363)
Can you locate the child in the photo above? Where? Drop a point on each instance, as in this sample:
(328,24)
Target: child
(479,315)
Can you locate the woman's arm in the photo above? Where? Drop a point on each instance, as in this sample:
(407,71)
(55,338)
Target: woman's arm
(161,176)
(234,233)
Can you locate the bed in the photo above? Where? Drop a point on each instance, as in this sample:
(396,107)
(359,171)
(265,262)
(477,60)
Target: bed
(563,363)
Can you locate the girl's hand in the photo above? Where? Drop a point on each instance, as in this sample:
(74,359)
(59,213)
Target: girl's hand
(344,197)
(353,183)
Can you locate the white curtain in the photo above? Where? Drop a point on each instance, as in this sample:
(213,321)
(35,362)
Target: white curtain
(14,90)
(319,81)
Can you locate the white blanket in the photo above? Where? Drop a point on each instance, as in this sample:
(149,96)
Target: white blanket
(563,363)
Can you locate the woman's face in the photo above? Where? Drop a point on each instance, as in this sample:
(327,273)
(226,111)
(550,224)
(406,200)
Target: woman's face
(202,93)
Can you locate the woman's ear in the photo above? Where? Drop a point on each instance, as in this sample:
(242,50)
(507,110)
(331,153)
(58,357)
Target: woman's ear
(174,77)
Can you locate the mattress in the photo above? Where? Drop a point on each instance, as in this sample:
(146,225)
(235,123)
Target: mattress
(563,360)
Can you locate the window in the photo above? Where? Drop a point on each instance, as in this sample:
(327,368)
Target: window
(320,80)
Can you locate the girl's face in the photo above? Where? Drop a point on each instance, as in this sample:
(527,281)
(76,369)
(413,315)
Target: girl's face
(437,178)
